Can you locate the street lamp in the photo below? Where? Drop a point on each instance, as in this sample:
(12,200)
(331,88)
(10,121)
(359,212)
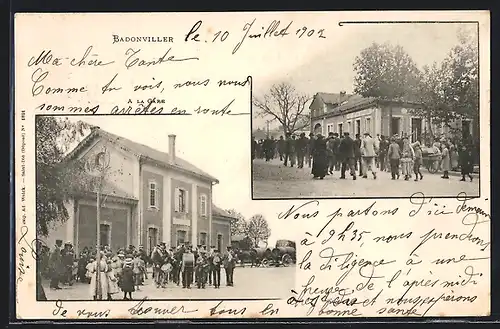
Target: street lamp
(96,166)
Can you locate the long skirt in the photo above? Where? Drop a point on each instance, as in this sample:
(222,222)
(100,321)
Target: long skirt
(112,283)
(320,165)
(103,283)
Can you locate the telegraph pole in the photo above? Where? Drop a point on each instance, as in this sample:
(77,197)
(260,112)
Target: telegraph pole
(98,253)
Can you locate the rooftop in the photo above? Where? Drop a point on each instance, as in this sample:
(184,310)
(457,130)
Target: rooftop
(142,151)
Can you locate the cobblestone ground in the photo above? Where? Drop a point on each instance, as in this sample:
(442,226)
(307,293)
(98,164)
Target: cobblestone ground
(270,282)
(274,180)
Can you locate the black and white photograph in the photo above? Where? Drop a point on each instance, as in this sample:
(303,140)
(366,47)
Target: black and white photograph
(130,206)
(390,111)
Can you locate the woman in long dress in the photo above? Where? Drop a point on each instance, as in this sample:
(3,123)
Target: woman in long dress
(407,156)
(320,158)
(102,269)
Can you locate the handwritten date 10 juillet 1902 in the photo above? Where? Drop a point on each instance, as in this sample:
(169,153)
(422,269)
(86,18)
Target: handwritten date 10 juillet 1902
(254,30)
(386,282)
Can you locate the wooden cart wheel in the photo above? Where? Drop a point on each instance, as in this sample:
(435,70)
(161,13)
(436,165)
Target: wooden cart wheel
(432,169)
(286,260)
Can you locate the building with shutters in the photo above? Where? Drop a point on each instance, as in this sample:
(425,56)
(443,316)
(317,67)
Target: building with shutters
(148,197)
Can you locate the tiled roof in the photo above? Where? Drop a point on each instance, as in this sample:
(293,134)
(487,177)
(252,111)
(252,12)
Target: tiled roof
(219,212)
(333,98)
(353,102)
(145,151)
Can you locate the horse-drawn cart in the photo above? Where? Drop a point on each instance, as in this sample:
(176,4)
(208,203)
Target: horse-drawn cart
(284,256)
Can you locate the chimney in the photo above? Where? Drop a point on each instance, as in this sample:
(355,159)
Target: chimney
(342,96)
(171,148)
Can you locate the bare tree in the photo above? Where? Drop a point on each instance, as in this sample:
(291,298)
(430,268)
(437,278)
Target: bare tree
(285,105)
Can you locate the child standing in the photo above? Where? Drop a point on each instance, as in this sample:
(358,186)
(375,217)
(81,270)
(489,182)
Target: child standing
(127,280)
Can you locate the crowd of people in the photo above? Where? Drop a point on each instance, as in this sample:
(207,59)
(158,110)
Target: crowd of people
(125,270)
(363,154)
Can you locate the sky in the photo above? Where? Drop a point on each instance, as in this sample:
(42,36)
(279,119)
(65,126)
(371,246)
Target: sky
(332,70)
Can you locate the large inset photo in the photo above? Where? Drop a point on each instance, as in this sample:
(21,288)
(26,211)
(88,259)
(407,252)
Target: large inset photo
(389,113)
(123,215)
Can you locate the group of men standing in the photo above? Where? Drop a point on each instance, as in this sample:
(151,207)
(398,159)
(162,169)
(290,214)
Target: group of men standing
(291,150)
(187,265)
(344,153)
(325,155)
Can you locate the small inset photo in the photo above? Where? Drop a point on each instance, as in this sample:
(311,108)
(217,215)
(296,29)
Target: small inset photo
(387,115)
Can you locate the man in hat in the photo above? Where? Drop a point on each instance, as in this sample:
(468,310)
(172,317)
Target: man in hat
(369,153)
(157,260)
(281,148)
(216,261)
(68,258)
(310,148)
(229,265)
(187,268)
(56,265)
(346,152)
(301,150)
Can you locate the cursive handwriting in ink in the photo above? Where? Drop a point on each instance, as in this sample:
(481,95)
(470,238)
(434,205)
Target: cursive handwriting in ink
(271,31)
(470,274)
(83,61)
(152,86)
(453,260)
(221,112)
(433,235)
(93,314)
(139,309)
(46,58)
(38,76)
(59,310)
(220,310)
(72,109)
(189,83)
(464,207)
(420,200)
(270,309)
(391,238)
(296,214)
(108,86)
(192,35)
(26,247)
(134,61)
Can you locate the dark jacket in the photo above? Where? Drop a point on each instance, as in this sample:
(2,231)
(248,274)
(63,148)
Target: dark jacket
(346,148)
(290,146)
(301,145)
(357,148)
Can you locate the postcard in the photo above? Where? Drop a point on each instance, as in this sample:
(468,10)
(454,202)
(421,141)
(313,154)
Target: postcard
(246,165)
